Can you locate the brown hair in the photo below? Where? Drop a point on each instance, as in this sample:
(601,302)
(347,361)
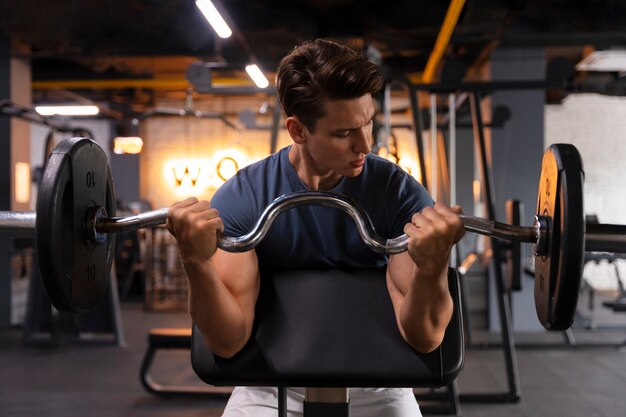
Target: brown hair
(319,70)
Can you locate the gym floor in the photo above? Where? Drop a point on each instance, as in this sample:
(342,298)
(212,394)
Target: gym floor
(90,380)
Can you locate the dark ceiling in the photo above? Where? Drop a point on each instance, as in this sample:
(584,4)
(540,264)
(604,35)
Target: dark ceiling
(105,39)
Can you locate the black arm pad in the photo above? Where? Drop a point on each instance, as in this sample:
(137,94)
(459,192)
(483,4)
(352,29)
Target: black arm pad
(331,328)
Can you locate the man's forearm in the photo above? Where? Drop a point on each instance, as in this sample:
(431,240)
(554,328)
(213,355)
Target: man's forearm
(426,311)
(215,310)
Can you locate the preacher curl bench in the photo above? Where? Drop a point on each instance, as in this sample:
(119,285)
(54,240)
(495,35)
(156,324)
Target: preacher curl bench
(330,329)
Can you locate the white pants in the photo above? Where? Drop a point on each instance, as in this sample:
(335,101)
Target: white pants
(364,402)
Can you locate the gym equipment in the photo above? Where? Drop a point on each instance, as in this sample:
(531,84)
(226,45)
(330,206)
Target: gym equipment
(350,326)
(74,230)
(30,115)
(168,339)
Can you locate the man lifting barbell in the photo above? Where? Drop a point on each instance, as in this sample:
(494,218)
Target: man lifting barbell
(74,222)
(325,91)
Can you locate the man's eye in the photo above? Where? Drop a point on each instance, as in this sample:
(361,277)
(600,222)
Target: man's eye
(343,134)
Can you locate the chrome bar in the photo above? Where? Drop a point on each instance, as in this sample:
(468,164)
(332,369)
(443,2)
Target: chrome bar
(598,237)
(130,223)
(286,202)
(283,203)
(17,223)
(500,230)
(363,224)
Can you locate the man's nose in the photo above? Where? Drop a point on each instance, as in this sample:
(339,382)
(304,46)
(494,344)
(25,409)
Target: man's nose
(361,140)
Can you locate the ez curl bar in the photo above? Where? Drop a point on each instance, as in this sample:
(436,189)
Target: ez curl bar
(74,228)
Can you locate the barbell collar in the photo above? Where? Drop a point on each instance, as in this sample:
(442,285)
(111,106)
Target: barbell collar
(17,223)
(541,226)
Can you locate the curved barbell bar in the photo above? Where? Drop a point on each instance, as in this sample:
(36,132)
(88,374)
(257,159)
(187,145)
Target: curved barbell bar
(104,224)
(598,237)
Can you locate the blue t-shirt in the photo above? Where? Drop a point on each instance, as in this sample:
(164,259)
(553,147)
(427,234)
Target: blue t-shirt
(311,236)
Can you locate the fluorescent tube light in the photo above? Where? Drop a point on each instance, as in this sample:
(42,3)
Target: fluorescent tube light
(67,110)
(214,18)
(257,76)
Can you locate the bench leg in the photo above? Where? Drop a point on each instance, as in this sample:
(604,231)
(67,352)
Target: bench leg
(169,391)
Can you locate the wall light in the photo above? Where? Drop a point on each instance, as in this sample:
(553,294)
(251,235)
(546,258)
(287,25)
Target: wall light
(127,144)
(67,110)
(257,76)
(214,18)
(226,168)
(187,176)
(476,190)
(22,182)
(226,162)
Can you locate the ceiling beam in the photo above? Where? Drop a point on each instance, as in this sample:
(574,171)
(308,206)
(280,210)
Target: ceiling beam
(443,39)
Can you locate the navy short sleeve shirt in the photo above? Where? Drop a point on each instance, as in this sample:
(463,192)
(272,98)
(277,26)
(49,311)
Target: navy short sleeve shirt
(315,236)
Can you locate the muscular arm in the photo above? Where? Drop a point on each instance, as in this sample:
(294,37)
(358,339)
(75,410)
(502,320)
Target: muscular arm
(421,302)
(222,295)
(223,287)
(418,279)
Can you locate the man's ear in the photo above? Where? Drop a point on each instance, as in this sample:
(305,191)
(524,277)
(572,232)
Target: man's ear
(295,129)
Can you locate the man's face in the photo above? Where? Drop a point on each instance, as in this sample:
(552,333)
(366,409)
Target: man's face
(342,138)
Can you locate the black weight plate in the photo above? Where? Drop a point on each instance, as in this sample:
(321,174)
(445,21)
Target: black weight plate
(75,271)
(558,272)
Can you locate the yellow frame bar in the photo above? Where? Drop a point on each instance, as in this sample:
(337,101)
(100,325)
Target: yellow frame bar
(443,39)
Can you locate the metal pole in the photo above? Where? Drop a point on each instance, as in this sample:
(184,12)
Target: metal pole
(504,305)
(282,402)
(452,162)
(387,117)
(452,130)
(275,125)
(417,128)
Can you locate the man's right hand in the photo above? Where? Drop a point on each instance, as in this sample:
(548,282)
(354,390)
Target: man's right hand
(195,225)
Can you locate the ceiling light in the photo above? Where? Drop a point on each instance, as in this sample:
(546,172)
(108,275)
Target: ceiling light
(608,60)
(67,110)
(257,76)
(214,18)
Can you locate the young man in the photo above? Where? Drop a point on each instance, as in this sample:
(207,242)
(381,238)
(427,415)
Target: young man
(325,92)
